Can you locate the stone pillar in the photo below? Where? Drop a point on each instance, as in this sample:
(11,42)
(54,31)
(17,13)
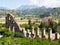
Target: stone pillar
(37,32)
(24,31)
(32,32)
(7,21)
(57,35)
(28,33)
(49,33)
(9,28)
(43,33)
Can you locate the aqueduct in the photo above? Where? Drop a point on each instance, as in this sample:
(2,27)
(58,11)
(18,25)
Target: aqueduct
(12,25)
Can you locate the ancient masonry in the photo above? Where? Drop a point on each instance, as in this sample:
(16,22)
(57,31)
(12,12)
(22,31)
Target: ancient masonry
(12,25)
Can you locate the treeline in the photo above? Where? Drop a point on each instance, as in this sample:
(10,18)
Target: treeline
(34,11)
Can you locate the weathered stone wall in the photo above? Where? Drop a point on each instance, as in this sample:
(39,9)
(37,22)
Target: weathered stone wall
(12,25)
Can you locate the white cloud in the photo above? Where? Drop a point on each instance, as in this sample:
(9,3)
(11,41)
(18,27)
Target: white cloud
(2,5)
(51,3)
(14,4)
(35,2)
(47,3)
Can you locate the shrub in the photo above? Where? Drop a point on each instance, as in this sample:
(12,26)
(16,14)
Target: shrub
(18,34)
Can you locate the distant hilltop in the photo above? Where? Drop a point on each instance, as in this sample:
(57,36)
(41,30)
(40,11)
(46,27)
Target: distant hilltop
(31,10)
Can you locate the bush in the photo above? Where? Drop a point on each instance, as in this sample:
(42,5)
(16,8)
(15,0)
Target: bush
(2,25)
(58,29)
(18,34)
(6,32)
(35,25)
(25,26)
(26,41)
(54,43)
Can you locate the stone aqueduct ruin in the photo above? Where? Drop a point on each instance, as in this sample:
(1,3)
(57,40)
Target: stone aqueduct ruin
(12,25)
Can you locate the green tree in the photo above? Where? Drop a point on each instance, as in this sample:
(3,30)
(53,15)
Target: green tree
(30,24)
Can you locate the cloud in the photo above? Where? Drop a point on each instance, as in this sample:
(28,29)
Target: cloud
(16,3)
(47,3)
(35,2)
(51,3)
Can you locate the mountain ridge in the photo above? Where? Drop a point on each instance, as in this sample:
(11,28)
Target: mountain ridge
(24,7)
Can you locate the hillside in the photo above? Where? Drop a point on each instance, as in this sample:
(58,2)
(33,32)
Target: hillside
(31,11)
(55,11)
(24,7)
(37,11)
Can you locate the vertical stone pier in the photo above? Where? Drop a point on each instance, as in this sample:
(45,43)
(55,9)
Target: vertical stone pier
(24,31)
(37,32)
(32,32)
(57,36)
(28,33)
(43,33)
(9,19)
(49,33)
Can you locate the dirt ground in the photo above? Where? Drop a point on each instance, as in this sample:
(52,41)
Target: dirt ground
(17,22)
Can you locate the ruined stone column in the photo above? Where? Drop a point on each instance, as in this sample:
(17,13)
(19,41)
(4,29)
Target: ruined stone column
(49,33)
(37,32)
(24,31)
(43,33)
(57,35)
(32,32)
(9,28)
(28,33)
(9,21)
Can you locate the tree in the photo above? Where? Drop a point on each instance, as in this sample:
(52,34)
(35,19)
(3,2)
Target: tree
(53,25)
(30,24)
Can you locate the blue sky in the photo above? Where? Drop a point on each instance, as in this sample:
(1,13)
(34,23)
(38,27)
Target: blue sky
(12,4)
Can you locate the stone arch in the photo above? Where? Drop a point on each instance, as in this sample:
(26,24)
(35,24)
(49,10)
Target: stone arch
(11,23)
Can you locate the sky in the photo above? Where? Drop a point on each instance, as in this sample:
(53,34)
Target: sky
(13,4)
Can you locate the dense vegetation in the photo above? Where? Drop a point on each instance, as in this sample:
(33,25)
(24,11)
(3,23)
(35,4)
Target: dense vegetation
(17,38)
(34,11)
(26,41)
(10,39)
